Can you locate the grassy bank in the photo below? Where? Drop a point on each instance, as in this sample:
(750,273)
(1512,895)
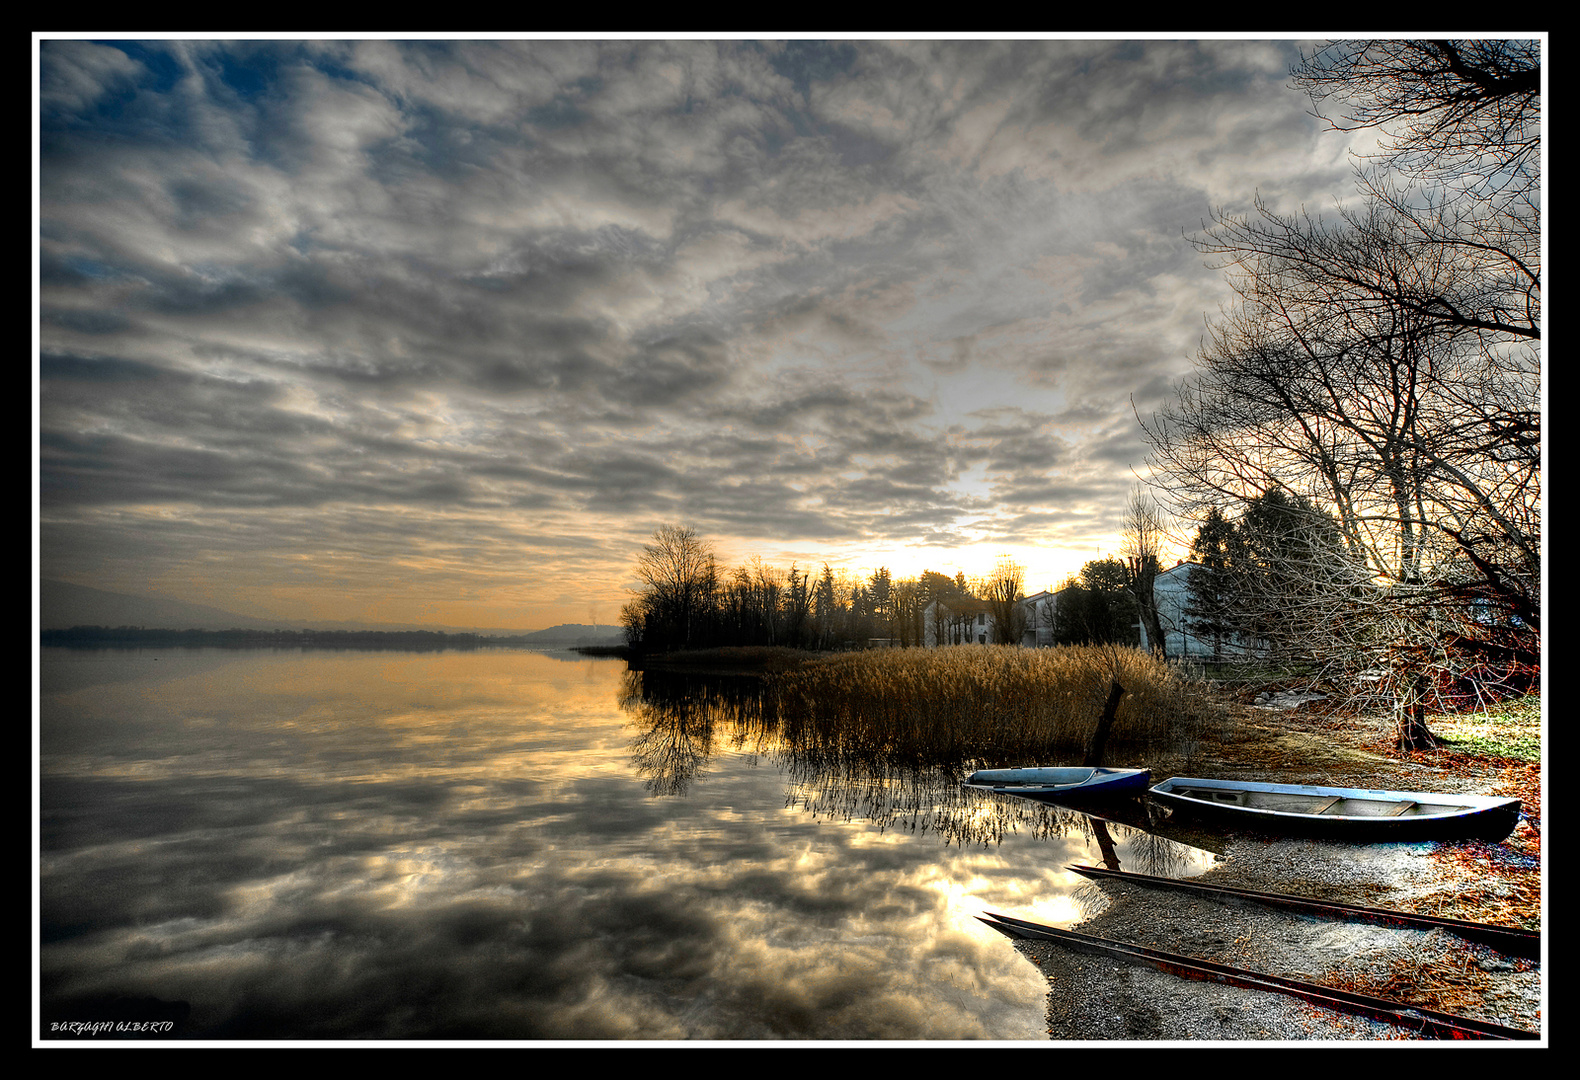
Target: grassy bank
(989,703)
(1511,730)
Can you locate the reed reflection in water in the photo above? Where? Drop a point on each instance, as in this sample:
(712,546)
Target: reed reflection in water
(682,716)
(304,846)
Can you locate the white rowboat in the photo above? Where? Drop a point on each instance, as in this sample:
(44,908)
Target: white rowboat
(1341,813)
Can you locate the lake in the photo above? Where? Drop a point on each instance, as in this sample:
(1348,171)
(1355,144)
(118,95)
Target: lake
(516,845)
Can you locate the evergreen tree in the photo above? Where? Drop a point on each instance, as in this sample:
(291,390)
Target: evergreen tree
(1288,565)
(1097,608)
(1210,598)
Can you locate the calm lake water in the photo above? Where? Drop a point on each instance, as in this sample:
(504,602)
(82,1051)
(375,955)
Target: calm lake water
(518,845)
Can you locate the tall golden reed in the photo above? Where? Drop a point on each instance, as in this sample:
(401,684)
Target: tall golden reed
(990,703)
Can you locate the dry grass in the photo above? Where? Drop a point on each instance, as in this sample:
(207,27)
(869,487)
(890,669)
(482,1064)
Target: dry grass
(989,703)
(1448,979)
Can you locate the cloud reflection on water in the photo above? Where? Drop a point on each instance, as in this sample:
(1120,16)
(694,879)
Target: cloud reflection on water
(399,846)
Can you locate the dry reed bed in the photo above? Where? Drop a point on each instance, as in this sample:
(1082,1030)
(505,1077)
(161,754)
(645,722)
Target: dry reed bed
(986,702)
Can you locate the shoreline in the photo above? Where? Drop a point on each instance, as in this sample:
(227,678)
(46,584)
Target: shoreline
(1092,998)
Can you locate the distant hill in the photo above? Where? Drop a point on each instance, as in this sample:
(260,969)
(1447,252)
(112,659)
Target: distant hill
(63,605)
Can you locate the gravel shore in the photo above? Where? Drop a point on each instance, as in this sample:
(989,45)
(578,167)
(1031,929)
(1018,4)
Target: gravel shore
(1094,998)
(1103,999)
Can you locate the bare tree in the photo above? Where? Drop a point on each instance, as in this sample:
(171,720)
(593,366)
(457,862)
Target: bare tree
(1143,545)
(1422,444)
(1421,434)
(1381,366)
(1005,588)
(679,578)
(1453,273)
(1459,114)
(767,587)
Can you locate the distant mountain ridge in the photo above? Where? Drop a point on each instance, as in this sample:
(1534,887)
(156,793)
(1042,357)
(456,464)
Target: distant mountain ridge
(63,605)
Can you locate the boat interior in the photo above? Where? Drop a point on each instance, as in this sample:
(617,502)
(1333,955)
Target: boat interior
(1053,777)
(1302,803)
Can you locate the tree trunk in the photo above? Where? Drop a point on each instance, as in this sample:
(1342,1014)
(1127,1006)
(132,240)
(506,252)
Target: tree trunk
(1099,740)
(1158,643)
(1143,579)
(1410,715)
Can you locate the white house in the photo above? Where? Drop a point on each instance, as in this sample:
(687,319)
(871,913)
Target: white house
(1037,611)
(970,621)
(1171,589)
(965,622)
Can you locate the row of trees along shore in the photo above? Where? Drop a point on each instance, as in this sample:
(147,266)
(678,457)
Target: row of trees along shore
(688,601)
(1376,385)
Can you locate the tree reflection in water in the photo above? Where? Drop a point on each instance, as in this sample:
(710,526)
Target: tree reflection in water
(681,718)
(677,716)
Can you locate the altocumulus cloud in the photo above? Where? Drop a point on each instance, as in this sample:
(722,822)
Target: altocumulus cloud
(489,311)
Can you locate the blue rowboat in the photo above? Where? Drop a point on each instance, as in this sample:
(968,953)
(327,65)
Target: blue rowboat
(1365,814)
(1063,782)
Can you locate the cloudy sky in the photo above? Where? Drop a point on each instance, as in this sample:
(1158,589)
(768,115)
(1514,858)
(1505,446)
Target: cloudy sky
(441,331)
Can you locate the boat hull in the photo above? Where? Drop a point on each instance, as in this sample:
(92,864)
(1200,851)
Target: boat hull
(1367,814)
(1065,782)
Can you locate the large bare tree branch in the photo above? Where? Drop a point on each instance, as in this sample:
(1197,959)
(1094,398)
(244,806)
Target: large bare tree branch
(1461,114)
